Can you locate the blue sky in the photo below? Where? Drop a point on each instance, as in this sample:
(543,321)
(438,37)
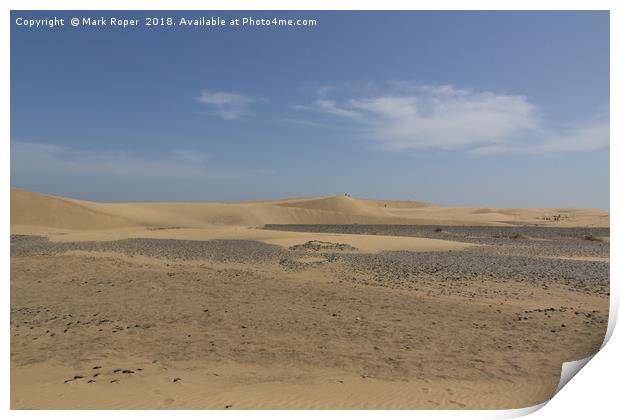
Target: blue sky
(458,108)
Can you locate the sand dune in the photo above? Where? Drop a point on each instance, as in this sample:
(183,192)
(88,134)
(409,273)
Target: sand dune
(64,219)
(46,211)
(56,212)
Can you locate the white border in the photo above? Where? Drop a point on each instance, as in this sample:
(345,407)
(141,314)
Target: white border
(591,394)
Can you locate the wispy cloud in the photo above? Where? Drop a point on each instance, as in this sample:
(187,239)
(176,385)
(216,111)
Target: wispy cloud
(227,105)
(53,159)
(301,121)
(576,138)
(40,158)
(331,107)
(406,116)
(586,137)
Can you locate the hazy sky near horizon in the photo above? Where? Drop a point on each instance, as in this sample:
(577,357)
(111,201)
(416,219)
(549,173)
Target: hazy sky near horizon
(505,109)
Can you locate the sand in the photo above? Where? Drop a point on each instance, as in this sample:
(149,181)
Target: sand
(196,306)
(51,212)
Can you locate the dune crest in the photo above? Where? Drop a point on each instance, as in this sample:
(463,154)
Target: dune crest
(41,210)
(29,208)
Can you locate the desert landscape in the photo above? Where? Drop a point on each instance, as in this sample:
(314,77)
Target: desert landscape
(305,303)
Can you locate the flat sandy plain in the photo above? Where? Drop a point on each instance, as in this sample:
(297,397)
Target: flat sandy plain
(326,303)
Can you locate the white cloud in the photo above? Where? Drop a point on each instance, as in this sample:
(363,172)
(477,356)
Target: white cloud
(423,117)
(323,91)
(51,159)
(593,136)
(227,105)
(301,121)
(447,90)
(331,108)
(587,137)
(299,107)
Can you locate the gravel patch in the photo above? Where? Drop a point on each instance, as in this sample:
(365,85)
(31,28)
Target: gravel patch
(215,250)
(322,246)
(507,260)
(509,240)
(408,269)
